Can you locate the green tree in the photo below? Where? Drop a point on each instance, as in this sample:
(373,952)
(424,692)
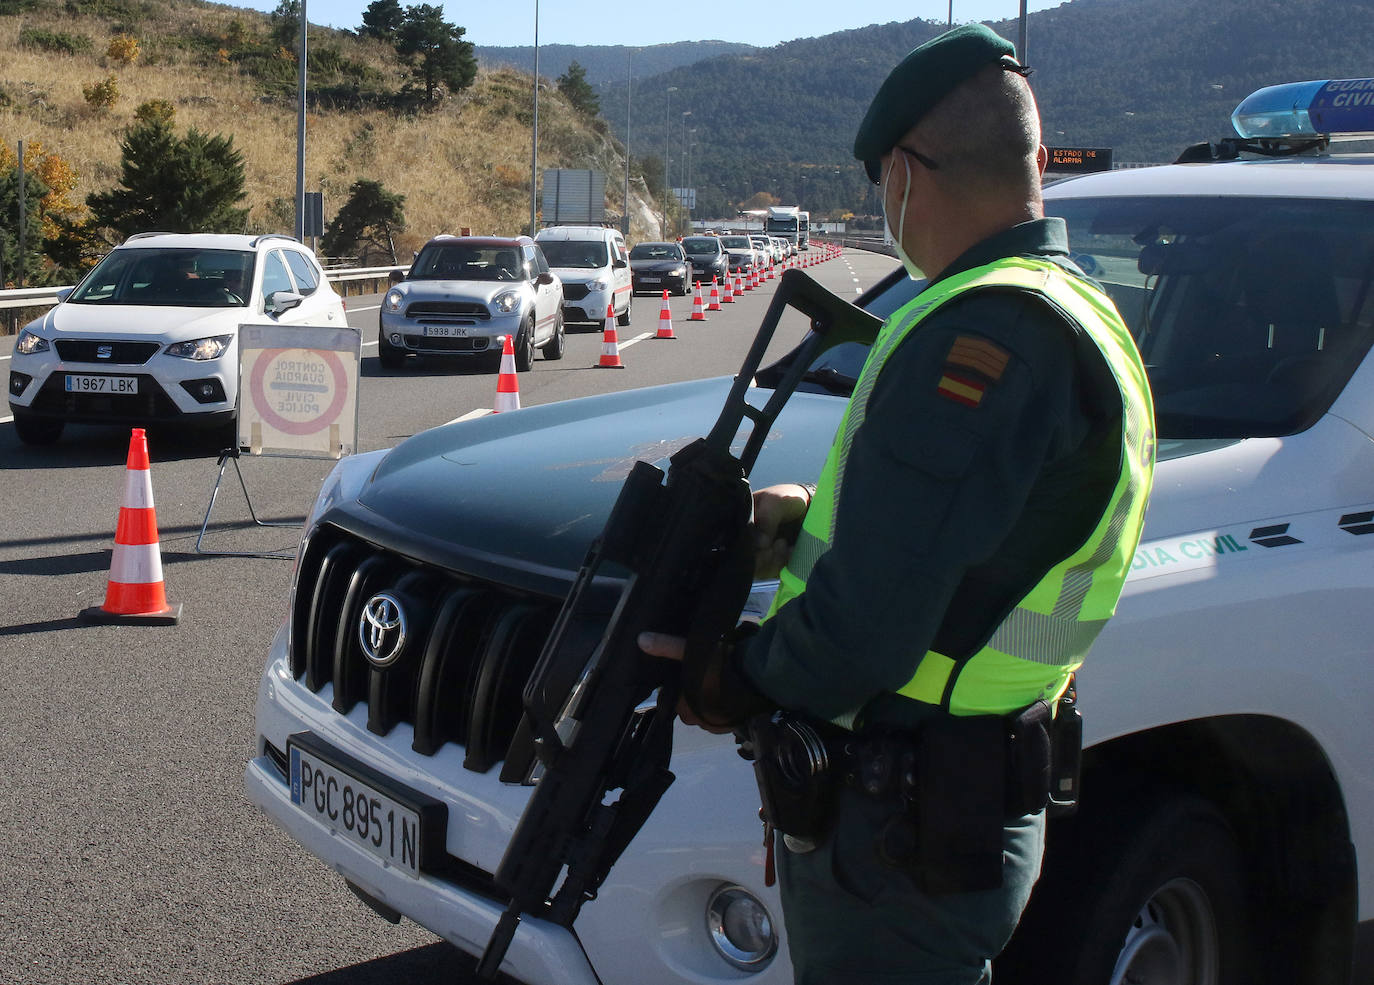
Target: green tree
(286,24)
(382,20)
(181,185)
(577,90)
(34,190)
(366,223)
(435,50)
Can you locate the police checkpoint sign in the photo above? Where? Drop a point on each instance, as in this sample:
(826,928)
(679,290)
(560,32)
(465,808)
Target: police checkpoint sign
(298,390)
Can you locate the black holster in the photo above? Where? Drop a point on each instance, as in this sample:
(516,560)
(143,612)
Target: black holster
(796,778)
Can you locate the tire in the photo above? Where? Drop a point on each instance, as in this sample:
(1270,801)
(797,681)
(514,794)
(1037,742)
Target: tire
(524,349)
(388,355)
(553,349)
(37,431)
(1143,886)
(623,319)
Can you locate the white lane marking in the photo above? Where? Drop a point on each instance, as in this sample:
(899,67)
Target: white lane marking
(5,420)
(637,338)
(471,415)
(374,307)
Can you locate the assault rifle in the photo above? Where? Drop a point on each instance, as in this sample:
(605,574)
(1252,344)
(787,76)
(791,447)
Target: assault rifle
(599,712)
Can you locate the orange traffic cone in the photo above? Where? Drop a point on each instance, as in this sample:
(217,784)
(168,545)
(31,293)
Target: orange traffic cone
(697,313)
(610,344)
(507,382)
(135,592)
(771,275)
(714,303)
(665,320)
(729,297)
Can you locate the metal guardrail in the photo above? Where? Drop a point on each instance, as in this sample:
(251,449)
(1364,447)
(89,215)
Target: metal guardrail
(43,297)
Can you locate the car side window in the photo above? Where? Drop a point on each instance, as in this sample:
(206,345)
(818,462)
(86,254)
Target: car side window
(274,276)
(306,277)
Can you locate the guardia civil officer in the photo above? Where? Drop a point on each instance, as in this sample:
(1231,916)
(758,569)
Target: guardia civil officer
(968,538)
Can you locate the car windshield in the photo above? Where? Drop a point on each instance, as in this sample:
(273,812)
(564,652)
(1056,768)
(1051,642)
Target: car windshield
(169,278)
(1251,314)
(580,253)
(701,246)
(656,251)
(467,261)
(736,242)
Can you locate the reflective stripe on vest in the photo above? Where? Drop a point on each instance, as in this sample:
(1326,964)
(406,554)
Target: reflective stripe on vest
(1039,644)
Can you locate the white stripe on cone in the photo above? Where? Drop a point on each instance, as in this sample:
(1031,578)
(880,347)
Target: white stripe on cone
(138,489)
(136,564)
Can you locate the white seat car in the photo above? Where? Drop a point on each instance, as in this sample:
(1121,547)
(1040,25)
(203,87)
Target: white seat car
(1225,831)
(150,335)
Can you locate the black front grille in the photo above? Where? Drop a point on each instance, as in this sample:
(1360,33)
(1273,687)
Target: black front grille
(574,292)
(438,343)
(469,646)
(465,309)
(150,402)
(117,353)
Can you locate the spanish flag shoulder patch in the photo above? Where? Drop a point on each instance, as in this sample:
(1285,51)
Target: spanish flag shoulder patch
(972,365)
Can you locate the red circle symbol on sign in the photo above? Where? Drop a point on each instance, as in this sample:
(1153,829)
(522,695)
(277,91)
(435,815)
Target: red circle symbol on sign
(284,424)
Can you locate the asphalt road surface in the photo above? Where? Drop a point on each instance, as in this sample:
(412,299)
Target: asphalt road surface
(128,852)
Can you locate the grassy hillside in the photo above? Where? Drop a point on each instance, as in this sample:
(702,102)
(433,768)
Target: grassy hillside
(464,163)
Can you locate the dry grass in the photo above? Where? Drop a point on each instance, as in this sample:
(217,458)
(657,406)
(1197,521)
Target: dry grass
(466,163)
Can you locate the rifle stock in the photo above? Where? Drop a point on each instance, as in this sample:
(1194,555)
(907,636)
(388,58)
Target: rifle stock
(679,546)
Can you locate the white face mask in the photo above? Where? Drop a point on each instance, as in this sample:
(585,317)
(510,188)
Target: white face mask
(912,270)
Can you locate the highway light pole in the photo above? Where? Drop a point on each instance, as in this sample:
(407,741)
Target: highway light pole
(667,115)
(682,166)
(534,139)
(300,135)
(629,85)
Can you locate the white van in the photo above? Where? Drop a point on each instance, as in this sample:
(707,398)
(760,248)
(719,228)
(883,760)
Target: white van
(594,266)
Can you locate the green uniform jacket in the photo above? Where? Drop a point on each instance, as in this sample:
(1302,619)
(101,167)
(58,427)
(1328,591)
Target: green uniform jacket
(950,512)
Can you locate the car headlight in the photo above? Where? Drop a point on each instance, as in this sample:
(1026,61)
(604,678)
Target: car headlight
(393,300)
(679,271)
(740,928)
(596,285)
(506,303)
(29,343)
(201,349)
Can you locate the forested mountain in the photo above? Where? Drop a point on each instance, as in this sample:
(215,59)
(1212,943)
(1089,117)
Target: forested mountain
(607,64)
(1144,77)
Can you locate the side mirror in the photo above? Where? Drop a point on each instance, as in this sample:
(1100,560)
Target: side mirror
(396,276)
(64,293)
(545,279)
(280,302)
(619,263)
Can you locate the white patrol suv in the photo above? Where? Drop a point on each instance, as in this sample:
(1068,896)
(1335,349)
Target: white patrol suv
(150,335)
(1225,833)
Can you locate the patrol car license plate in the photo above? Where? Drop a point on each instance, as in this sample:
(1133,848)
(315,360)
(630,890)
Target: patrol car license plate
(101,384)
(355,809)
(446,332)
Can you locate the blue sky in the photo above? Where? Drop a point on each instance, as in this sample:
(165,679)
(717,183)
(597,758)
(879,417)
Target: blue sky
(644,22)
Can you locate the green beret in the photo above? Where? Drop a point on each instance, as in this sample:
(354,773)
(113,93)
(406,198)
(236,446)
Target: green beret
(922,79)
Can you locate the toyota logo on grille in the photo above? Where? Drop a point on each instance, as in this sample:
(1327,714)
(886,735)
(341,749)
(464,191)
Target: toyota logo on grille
(382,630)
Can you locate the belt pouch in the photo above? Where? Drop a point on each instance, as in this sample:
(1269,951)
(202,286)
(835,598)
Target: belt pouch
(959,803)
(796,781)
(1028,760)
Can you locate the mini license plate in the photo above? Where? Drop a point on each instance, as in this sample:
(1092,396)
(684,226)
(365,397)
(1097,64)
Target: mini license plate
(445,332)
(401,827)
(101,384)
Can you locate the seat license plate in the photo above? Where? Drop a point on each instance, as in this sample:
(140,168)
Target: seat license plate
(650,280)
(445,332)
(101,384)
(358,810)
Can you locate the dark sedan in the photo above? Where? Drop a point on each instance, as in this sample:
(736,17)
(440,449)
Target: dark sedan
(708,257)
(658,266)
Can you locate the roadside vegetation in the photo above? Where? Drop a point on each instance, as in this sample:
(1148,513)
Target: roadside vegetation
(409,112)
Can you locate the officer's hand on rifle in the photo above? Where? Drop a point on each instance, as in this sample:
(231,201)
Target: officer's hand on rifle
(675,648)
(778,512)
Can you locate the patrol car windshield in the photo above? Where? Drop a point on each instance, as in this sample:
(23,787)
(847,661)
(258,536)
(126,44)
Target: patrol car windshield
(587,253)
(1251,314)
(169,278)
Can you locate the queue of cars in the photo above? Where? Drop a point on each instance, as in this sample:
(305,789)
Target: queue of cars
(151,333)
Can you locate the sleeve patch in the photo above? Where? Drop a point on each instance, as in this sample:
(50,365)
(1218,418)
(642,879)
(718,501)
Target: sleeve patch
(977,355)
(961,390)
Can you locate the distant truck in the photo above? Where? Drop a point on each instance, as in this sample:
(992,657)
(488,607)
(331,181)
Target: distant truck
(786,221)
(803,230)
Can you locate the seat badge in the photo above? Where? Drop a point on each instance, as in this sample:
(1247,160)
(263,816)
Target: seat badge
(104,351)
(382,630)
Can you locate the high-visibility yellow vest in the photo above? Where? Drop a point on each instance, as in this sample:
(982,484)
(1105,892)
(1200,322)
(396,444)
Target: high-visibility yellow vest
(1033,652)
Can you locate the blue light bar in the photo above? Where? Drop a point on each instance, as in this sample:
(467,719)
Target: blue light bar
(1306,109)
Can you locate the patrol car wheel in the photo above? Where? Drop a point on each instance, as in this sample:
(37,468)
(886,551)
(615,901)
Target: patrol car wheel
(37,430)
(1136,888)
